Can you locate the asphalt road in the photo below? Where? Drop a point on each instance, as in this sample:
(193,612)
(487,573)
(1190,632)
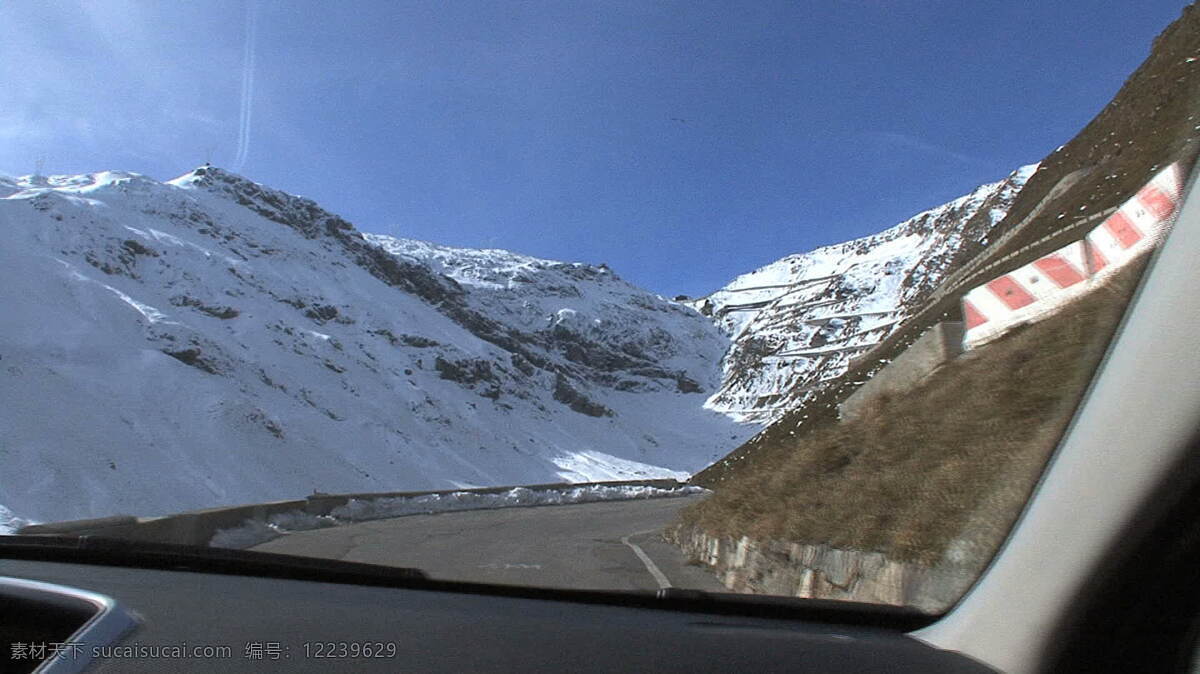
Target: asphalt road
(610,545)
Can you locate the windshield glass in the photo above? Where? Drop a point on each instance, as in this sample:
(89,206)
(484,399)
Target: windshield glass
(789,298)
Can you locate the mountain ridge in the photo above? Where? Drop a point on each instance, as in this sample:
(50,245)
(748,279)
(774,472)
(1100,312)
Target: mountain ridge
(265,324)
(209,340)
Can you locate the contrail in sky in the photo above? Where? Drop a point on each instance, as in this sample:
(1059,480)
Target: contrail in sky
(243,146)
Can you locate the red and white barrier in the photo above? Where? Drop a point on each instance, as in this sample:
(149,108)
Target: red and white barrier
(1139,224)
(1045,285)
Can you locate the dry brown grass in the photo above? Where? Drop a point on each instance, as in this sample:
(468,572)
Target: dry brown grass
(956,458)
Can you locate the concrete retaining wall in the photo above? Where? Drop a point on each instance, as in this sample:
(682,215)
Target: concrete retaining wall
(197,527)
(939,344)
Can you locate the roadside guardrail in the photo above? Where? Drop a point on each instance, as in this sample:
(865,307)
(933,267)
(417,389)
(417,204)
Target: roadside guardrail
(197,527)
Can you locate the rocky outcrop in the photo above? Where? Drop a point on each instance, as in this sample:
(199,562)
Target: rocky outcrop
(565,394)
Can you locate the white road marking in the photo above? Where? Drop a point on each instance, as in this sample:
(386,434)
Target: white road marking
(659,576)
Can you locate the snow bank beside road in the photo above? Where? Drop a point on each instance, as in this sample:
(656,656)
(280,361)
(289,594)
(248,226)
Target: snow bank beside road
(254,532)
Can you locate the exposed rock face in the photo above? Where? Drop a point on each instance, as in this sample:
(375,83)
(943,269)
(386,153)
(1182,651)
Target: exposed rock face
(565,394)
(578,319)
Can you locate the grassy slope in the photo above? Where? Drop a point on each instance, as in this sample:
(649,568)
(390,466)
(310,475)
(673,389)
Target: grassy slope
(808,479)
(958,455)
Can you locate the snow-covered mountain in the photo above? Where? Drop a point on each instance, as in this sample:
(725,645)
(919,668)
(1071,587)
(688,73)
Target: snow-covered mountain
(209,340)
(799,321)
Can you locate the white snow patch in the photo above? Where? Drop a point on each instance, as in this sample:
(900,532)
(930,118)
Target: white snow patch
(163,237)
(148,312)
(593,466)
(10,523)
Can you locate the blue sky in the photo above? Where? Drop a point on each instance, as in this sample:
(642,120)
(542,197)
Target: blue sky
(682,143)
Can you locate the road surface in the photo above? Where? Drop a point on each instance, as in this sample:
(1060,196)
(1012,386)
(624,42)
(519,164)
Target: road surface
(609,545)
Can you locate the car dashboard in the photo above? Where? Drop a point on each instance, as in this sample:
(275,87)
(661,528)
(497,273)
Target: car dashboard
(97,615)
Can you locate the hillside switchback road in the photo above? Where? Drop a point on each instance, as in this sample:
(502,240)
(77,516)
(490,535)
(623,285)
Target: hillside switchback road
(609,545)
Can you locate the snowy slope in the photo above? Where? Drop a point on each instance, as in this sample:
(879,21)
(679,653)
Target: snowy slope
(798,322)
(209,341)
